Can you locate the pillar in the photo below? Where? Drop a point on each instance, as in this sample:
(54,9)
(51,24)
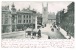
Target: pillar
(35,22)
(15,22)
(10,23)
(22,19)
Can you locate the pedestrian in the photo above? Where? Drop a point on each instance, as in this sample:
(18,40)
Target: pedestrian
(50,26)
(48,37)
(39,33)
(52,29)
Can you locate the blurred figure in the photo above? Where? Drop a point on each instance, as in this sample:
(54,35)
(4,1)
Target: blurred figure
(52,29)
(48,37)
(39,33)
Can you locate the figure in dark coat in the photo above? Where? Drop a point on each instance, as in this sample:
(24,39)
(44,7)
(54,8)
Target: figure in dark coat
(39,33)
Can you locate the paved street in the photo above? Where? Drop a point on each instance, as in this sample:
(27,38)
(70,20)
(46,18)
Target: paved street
(46,31)
(20,35)
(13,35)
(53,35)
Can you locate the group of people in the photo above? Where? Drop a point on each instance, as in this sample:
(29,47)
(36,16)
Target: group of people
(34,34)
(38,34)
(54,26)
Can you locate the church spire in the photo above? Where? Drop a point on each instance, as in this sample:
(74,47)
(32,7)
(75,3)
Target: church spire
(47,4)
(13,7)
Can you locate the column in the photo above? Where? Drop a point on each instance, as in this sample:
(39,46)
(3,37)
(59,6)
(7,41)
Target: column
(22,19)
(32,20)
(15,22)
(10,23)
(35,22)
(17,19)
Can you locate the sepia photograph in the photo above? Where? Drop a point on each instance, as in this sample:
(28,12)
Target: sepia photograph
(37,20)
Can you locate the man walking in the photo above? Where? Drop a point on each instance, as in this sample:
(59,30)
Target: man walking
(39,33)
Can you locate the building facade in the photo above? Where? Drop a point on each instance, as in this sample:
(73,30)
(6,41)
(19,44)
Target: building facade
(39,20)
(70,18)
(51,18)
(66,19)
(6,17)
(14,20)
(58,18)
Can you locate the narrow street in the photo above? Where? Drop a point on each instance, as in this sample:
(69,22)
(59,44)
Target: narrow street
(52,34)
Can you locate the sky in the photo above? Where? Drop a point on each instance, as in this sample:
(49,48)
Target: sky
(53,6)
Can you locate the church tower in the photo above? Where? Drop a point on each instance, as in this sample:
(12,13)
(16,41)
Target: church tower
(45,14)
(13,17)
(13,9)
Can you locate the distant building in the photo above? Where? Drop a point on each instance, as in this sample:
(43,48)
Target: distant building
(39,19)
(51,18)
(44,14)
(66,19)
(13,20)
(6,19)
(58,18)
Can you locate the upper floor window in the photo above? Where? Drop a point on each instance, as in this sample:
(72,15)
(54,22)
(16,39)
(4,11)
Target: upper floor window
(19,16)
(27,16)
(24,16)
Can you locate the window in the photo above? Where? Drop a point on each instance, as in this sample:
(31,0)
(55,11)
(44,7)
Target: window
(24,16)
(6,21)
(6,15)
(29,21)
(27,16)
(3,15)
(26,21)
(19,21)
(2,20)
(19,16)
